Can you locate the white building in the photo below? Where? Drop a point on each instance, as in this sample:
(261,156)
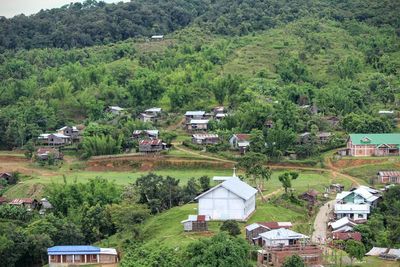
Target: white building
(230,200)
(282,237)
(360,195)
(342,225)
(354,212)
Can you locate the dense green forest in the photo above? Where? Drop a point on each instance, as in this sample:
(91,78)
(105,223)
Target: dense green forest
(93,22)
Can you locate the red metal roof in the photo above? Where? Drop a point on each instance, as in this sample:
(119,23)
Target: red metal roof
(274,225)
(243,137)
(346,236)
(3,200)
(201,218)
(20,201)
(390,173)
(152,142)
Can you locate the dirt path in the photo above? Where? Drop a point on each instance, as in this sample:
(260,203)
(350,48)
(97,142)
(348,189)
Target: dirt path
(320,224)
(179,147)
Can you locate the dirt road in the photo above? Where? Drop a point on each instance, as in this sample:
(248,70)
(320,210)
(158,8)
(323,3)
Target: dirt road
(320,224)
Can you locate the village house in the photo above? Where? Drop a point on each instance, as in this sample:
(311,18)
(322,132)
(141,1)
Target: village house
(362,145)
(43,153)
(218,110)
(336,188)
(27,203)
(115,110)
(197,125)
(240,142)
(269,124)
(157,37)
(389,177)
(54,139)
(282,243)
(195,115)
(81,255)
(342,225)
(310,196)
(322,137)
(151,145)
(44,206)
(150,115)
(148,134)
(254,230)
(355,212)
(333,121)
(360,195)
(196,223)
(220,116)
(205,139)
(232,199)
(71,131)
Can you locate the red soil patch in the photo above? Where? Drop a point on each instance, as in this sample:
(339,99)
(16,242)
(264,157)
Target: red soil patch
(346,163)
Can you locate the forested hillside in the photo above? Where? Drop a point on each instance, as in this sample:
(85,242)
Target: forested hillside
(93,22)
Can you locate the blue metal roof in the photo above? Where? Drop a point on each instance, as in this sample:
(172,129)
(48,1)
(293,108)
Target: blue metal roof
(73,250)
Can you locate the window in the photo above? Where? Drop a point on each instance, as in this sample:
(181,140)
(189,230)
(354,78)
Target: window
(360,216)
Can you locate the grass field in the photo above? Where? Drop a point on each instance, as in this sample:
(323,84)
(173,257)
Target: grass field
(368,172)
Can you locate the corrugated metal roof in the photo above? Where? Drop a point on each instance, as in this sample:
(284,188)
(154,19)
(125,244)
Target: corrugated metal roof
(389,173)
(395,252)
(69,250)
(236,186)
(152,142)
(153,110)
(243,137)
(205,136)
(376,251)
(199,121)
(195,113)
(346,208)
(282,234)
(108,251)
(375,139)
(341,222)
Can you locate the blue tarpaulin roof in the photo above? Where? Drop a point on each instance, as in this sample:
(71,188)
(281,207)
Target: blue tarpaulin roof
(70,250)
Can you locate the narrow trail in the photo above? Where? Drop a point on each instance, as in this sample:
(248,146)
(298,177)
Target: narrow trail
(319,235)
(178,147)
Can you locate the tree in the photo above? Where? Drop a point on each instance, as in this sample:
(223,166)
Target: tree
(230,226)
(293,261)
(286,179)
(257,142)
(151,255)
(220,250)
(355,250)
(253,164)
(204,183)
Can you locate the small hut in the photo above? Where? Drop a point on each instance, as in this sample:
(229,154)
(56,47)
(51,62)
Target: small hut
(196,223)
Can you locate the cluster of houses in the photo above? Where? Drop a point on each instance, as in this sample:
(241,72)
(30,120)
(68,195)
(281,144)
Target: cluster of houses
(233,199)
(197,121)
(350,209)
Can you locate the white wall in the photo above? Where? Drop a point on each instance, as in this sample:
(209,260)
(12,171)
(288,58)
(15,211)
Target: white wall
(221,204)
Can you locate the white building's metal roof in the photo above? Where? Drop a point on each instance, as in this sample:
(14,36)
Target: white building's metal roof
(236,186)
(341,222)
(282,234)
(352,208)
(153,110)
(199,121)
(108,251)
(195,113)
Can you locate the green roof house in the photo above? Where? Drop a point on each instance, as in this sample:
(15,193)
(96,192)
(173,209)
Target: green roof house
(362,145)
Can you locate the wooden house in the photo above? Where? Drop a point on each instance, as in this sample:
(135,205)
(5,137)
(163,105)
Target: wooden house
(54,139)
(310,196)
(195,115)
(28,203)
(197,125)
(205,139)
(150,145)
(71,131)
(240,142)
(43,153)
(81,255)
(150,115)
(196,223)
(6,176)
(363,145)
(232,199)
(336,188)
(347,236)
(389,177)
